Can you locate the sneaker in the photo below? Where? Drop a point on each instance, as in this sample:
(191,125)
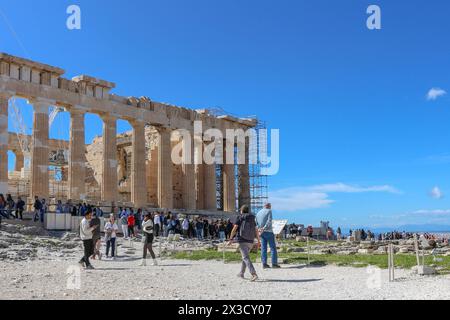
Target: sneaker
(276,266)
(266,266)
(240,275)
(154,262)
(143,263)
(81,263)
(254,278)
(90,267)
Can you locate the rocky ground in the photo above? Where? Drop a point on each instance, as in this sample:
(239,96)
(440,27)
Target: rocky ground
(365,247)
(37,265)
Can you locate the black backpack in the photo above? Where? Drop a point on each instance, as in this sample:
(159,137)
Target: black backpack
(247,230)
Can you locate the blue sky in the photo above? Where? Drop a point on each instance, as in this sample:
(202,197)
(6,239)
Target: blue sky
(361,145)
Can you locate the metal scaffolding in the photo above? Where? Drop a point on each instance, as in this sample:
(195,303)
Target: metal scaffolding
(259,187)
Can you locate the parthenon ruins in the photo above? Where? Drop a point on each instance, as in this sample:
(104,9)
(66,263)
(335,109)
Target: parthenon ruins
(134,168)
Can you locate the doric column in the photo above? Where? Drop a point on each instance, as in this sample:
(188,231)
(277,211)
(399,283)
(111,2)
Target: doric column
(199,172)
(209,177)
(200,186)
(4,100)
(229,185)
(40,151)
(109,173)
(188,167)
(244,178)
(210,197)
(165,188)
(77,160)
(138,168)
(20,161)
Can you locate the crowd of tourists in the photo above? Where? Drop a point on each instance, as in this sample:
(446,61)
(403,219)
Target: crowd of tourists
(10,209)
(245,230)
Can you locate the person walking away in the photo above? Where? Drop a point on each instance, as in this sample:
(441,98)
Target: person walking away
(96,236)
(20,208)
(138,219)
(124,224)
(339,233)
(246,230)
(86,233)
(228,229)
(131,224)
(59,207)
(206,229)
(111,229)
(148,229)
(222,231)
(10,205)
(264,221)
(199,229)
(37,208)
(43,211)
(2,208)
(310,231)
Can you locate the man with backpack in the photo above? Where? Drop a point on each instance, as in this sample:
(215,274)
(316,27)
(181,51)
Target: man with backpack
(246,231)
(264,219)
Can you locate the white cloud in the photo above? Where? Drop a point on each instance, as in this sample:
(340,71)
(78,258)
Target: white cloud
(436,193)
(315,197)
(345,188)
(435,93)
(428,213)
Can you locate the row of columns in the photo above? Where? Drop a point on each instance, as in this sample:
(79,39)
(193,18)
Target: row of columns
(199,181)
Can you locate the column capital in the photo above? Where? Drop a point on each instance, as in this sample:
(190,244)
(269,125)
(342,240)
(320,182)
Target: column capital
(41,105)
(107,117)
(6,95)
(162,129)
(137,123)
(77,110)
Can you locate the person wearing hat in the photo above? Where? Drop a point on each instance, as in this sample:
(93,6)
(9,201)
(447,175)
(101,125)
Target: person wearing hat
(148,229)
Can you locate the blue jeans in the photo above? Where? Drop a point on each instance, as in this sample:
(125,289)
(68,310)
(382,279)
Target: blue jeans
(200,234)
(222,235)
(270,238)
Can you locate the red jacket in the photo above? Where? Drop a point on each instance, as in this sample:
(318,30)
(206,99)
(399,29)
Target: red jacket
(131,221)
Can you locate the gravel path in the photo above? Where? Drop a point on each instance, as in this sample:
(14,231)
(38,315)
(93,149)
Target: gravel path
(48,277)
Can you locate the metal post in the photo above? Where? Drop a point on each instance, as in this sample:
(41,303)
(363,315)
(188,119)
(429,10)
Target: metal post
(391,262)
(223,251)
(307,244)
(416,245)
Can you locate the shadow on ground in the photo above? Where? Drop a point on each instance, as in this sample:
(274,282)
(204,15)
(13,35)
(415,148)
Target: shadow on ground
(290,280)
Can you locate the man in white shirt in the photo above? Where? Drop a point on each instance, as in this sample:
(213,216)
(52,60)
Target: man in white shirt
(86,233)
